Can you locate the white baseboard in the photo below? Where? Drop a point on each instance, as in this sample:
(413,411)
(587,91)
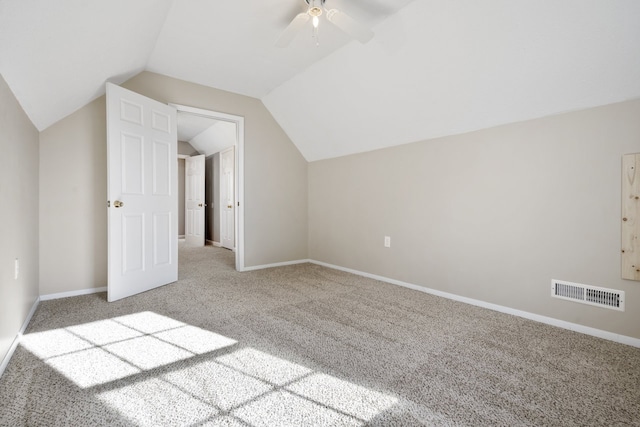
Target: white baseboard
(216,244)
(72,293)
(18,337)
(623,339)
(277,264)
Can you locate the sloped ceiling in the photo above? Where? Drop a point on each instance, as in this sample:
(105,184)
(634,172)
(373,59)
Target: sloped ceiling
(434,67)
(438,68)
(207,135)
(57,55)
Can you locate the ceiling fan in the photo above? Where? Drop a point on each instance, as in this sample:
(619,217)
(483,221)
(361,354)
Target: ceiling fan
(315,10)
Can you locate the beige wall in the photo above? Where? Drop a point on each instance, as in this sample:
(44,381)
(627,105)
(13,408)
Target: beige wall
(492,215)
(73,202)
(18,216)
(187,149)
(73,185)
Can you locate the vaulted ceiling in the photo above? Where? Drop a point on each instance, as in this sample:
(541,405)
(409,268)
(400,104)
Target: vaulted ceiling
(433,68)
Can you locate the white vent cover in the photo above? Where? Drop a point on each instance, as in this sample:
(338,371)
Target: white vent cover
(586,294)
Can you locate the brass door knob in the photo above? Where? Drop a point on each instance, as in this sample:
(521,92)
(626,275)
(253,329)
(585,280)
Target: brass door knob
(229,206)
(199,204)
(118,204)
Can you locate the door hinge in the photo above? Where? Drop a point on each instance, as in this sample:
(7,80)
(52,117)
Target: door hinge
(108,203)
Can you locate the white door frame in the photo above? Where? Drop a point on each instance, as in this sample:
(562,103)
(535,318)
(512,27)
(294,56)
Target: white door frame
(239,172)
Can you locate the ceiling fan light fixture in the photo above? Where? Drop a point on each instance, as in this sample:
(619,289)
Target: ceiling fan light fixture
(315,11)
(317,8)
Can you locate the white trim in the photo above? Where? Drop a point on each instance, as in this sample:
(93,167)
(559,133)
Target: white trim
(73,293)
(623,339)
(277,264)
(181,237)
(216,244)
(239,241)
(18,337)
(184,156)
(239,172)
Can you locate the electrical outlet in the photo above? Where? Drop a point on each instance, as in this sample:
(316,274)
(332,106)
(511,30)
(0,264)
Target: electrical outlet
(16,269)
(387,241)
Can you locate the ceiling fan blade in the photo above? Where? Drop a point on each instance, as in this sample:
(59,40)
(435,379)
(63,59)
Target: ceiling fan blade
(349,25)
(292,29)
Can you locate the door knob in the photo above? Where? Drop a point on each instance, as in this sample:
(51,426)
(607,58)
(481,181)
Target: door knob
(229,206)
(118,204)
(199,204)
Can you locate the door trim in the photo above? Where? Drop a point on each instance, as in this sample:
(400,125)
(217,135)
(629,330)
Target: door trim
(239,172)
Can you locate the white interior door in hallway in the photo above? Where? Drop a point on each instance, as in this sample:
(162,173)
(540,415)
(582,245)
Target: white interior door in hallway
(194,200)
(227,198)
(142,193)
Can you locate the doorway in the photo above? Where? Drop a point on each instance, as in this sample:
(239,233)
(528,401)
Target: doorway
(142,183)
(214,134)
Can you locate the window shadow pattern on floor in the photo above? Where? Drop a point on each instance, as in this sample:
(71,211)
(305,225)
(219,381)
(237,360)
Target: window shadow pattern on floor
(135,365)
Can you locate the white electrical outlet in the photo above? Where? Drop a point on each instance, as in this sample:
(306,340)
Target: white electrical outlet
(387,241)
(16,269)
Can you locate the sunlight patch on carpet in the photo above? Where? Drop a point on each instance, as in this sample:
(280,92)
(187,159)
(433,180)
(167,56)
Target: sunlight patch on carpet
(92,367)
(148,352)
(286,409)
(241,387)
(104,332)
(218,385)
(154,402)
(195,340)
(53,343)
(99,352)
(344,396)
(149,322)
(264,366)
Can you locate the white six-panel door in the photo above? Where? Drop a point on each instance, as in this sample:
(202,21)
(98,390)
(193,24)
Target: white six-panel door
(142,186)
(194,201)
(227,198)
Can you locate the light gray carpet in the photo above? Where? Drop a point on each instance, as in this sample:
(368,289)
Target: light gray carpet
(306,345)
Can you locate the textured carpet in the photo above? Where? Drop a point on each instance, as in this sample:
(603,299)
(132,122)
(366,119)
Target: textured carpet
(306,345)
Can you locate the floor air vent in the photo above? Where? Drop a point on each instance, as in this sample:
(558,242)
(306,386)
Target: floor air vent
(592,295)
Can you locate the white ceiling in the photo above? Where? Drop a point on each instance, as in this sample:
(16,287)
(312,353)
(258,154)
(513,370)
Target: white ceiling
(434,67)
(208,136)
(438,68)
(57,55)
